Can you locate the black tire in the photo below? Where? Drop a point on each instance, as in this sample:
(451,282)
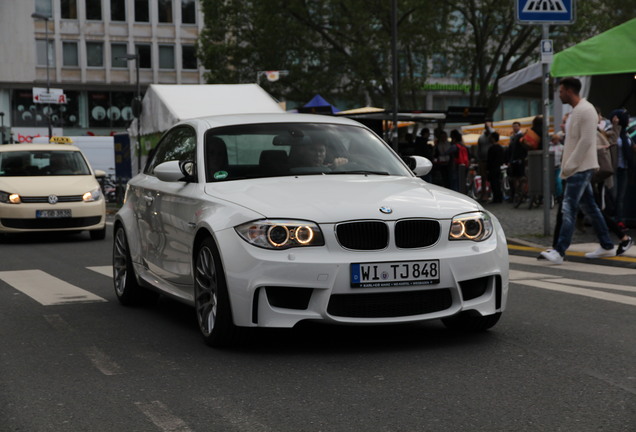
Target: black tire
(472,322)
(98,234)
(127,289)
(211,299)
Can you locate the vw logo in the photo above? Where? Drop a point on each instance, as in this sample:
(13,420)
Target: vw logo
(386,210)
(52,199)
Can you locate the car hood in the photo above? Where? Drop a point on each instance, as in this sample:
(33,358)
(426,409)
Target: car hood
(48,185)
(334,198)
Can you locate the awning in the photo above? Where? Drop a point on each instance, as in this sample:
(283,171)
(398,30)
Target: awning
(611,52)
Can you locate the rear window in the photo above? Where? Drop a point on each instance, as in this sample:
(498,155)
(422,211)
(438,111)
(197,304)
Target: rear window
(42,163)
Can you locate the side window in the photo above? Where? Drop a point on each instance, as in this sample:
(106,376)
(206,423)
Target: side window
(178,144)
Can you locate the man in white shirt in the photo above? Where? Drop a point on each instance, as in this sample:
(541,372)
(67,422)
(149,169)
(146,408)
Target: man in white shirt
(578,164)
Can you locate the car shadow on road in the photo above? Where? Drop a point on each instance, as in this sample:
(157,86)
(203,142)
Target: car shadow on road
(45,237)
(312,337)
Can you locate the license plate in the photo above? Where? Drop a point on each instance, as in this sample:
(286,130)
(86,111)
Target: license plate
(389,274)
(52,213)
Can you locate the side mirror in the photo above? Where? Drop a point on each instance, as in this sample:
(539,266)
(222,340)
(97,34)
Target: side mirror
(173,171)
(420,165)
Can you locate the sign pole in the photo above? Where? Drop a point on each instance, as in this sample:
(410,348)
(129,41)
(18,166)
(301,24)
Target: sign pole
(547,167)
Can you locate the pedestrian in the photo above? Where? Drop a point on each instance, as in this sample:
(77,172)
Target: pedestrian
(442,159)
(556,148)
(424,149)
(483,144)
(577,167)
(461,161)
(494,163)
(620,121)
(518,155)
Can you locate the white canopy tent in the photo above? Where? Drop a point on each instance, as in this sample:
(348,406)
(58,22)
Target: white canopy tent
(165,105)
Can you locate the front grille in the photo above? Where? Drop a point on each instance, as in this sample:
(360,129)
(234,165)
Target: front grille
(416,233)
(367,235)
(388,305)
(45,199)
(51,223)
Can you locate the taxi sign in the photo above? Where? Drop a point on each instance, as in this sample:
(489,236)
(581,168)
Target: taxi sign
(61,140)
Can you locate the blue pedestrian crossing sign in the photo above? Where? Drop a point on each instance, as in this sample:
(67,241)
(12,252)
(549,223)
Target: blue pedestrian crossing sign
(545,11)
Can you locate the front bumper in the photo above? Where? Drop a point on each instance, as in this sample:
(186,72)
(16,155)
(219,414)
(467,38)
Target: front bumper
(281,288)
(16,218)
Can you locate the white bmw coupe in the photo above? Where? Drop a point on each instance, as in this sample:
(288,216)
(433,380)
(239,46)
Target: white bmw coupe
(267,220)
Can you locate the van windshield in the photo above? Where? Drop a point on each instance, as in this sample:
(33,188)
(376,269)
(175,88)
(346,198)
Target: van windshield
(42,163)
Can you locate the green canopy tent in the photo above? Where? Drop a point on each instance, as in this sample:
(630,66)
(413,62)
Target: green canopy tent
(611,52)
(609,59)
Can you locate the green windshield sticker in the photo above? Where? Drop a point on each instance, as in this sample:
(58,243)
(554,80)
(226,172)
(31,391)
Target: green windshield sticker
(220,175)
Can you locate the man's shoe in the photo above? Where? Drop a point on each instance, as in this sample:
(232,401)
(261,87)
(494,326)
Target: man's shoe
(624,246)
(600,253)
(553,256)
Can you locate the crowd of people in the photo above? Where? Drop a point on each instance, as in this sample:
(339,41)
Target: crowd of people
(583,185)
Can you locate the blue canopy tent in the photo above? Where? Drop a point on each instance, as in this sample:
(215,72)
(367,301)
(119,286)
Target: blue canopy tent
(318,105)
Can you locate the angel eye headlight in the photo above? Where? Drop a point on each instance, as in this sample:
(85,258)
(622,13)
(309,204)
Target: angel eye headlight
(473,226)
(281,234)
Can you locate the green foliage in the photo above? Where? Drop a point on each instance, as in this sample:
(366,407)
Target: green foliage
(342,48)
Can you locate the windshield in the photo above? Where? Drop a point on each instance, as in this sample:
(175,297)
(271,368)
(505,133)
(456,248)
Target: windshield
(42,163)
(270,150)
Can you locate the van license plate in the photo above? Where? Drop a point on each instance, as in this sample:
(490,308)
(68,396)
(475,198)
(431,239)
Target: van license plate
(53,213)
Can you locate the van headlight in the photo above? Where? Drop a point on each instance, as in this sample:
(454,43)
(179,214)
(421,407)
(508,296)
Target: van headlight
(93,195)
(281,234)
(471,226)
(10,198)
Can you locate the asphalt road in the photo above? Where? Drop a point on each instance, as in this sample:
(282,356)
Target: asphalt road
(563,357)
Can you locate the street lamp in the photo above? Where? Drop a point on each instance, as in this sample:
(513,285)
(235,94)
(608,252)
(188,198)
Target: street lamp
(46,19)
(136,104)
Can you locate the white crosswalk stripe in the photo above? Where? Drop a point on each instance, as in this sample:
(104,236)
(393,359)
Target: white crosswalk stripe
(46,289)
(582,287)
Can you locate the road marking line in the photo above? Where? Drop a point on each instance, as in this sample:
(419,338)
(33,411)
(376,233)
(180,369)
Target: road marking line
(591,284)
(601,295)
(159,414)
(46,289)
(102,362)
(574,266)
(105,270)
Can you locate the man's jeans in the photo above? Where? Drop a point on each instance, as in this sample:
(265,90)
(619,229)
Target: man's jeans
(578,190)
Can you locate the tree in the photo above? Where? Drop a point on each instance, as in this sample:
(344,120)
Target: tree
(341,48)
(333,47)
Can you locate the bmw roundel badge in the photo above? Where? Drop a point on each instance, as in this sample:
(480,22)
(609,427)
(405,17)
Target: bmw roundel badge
(386,210)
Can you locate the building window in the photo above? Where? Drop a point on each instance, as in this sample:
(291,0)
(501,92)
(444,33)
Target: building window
(166,57)
(70,54)
(94,10)
(68,9)
(109,109)
(188,15)
(94,54)
(118,50)
(141,11)
(44,7)
(188,57)
(145,58)
(41,53)
(27,113)
(164,9)
(118,10)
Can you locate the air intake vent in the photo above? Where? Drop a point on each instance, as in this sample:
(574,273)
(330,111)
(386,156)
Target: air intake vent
(416,233)
(368,235)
